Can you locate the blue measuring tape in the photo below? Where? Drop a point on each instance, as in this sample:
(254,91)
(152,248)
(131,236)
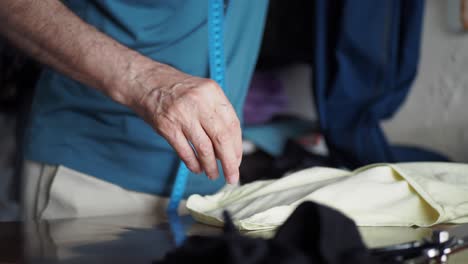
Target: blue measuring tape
(216,42)
(217,73)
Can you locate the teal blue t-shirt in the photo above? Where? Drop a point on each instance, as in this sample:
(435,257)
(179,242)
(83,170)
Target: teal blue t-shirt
(78,127)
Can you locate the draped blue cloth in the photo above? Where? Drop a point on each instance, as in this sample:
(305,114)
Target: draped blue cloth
(366,57)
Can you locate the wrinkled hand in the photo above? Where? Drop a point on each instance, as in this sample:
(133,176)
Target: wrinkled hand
(186,110)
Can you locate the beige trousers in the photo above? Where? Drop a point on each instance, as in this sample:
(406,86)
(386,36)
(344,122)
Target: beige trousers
(53,192)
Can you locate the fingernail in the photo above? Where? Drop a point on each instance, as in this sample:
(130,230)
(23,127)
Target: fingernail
(233,179)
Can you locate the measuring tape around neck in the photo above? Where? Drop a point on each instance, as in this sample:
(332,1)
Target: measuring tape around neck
(217,73)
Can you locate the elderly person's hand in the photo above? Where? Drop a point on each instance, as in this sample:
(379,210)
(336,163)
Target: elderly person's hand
(186,110)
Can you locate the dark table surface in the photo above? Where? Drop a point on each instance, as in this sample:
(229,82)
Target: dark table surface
(136,239)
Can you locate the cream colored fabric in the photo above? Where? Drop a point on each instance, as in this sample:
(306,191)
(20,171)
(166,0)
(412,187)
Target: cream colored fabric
(404,194)
(51,192)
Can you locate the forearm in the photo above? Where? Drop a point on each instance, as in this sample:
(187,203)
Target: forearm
(180,107)
(50,33)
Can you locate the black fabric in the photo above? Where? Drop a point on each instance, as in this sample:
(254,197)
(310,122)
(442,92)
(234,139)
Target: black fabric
(287,37)
(312,234)
(18,76)
(262,166)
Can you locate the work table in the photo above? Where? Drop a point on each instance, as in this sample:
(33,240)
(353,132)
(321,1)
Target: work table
(135,239)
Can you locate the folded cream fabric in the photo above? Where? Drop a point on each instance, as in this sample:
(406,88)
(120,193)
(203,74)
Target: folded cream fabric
(403,194)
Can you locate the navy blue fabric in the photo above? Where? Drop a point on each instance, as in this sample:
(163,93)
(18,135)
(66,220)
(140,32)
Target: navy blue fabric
(365,60)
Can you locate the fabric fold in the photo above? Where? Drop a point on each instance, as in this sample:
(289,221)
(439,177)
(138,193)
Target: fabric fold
(403,194)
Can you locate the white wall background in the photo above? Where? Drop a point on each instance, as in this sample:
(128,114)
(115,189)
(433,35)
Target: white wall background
(435,114)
